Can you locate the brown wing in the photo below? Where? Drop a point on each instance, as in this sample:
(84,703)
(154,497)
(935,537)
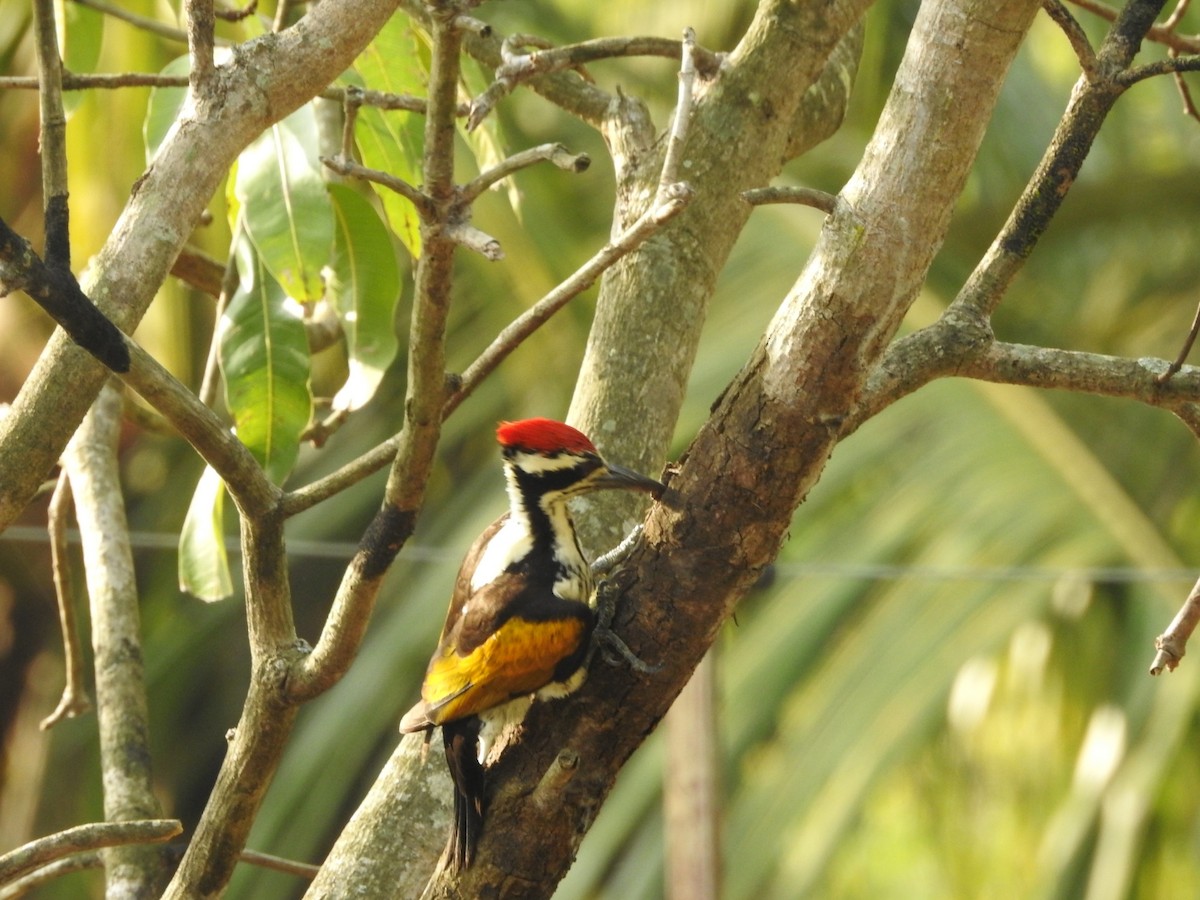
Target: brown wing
(462,583)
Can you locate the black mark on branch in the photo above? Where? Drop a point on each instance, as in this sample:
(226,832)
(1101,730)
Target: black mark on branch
(55,290)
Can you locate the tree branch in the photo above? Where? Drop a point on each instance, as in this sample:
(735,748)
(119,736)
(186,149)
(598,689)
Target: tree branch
(785,194)
(351,169)
(556,154)
(669,205)
(1076,35)
(417,441)
(1090,103)
(1160,34)
(1172,643)
(82,838)
(74,699)
(91,464)
(516,68)
(201,36)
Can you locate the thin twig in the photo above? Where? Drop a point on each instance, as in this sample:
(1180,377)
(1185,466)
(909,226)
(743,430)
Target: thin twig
(283,14)
(1172,643)
(1157,33)
(153,26)
(235,15)
(18,888)
(468,236)
(102,81)
(677,136)
(74,699)
(81,838)
(309,495)
(1075,34)
(352,99)
(404,493)
(1179,360)
(350,168)
(52,137)
(556,154)
(279,864)
(783,194)
(1185,94)
(516,68)
(1172,21)
(584,277)
(1172,65)
(197,269)
(201,32)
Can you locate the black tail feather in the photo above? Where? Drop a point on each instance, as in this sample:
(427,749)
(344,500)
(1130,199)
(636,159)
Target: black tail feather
(462,756)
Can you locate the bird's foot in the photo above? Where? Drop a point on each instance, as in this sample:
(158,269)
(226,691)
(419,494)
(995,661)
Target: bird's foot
(607,641)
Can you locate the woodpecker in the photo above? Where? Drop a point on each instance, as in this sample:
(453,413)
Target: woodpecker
(521,618)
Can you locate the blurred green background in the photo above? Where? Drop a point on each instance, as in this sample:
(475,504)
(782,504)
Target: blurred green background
(941,694)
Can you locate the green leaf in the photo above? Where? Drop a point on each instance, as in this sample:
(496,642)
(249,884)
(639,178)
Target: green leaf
(265,364)
(203,561)
(364,285)
(163,108)
(80,34)
(392,141)
(285,205)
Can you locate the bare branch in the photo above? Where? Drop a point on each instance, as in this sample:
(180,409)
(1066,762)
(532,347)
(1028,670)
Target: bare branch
(235,15)
(351,169)
(57,292)
(670,205)
(784,194)
(417,442)
(958,346)
(52,136)
(1172,65)
(467,235)
(125,760)
(1172,21)
(1076,35)
(677,135)
(72,82)
(74,699)
(197,269)
(153,26)
(82,838)
(1172,643)
(1160,34)
(513,68)
(1177,364)
(20,887)
(201,25)
(308,496)
(279,864)
(556,154)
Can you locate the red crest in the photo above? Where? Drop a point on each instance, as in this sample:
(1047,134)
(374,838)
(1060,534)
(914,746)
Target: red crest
(543,436)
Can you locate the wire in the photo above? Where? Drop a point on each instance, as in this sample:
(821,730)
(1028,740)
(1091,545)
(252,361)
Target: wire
(854,571)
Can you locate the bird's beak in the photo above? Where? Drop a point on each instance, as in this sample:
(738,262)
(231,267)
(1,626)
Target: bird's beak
(620,478)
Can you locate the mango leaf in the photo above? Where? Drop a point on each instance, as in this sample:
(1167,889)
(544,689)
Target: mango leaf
(285,206)
(392,141)
(265,363)
(80,34)
(203,560)
(364,285)
(163,108)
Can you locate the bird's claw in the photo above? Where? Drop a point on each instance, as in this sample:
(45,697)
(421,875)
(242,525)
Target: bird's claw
(604,639)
